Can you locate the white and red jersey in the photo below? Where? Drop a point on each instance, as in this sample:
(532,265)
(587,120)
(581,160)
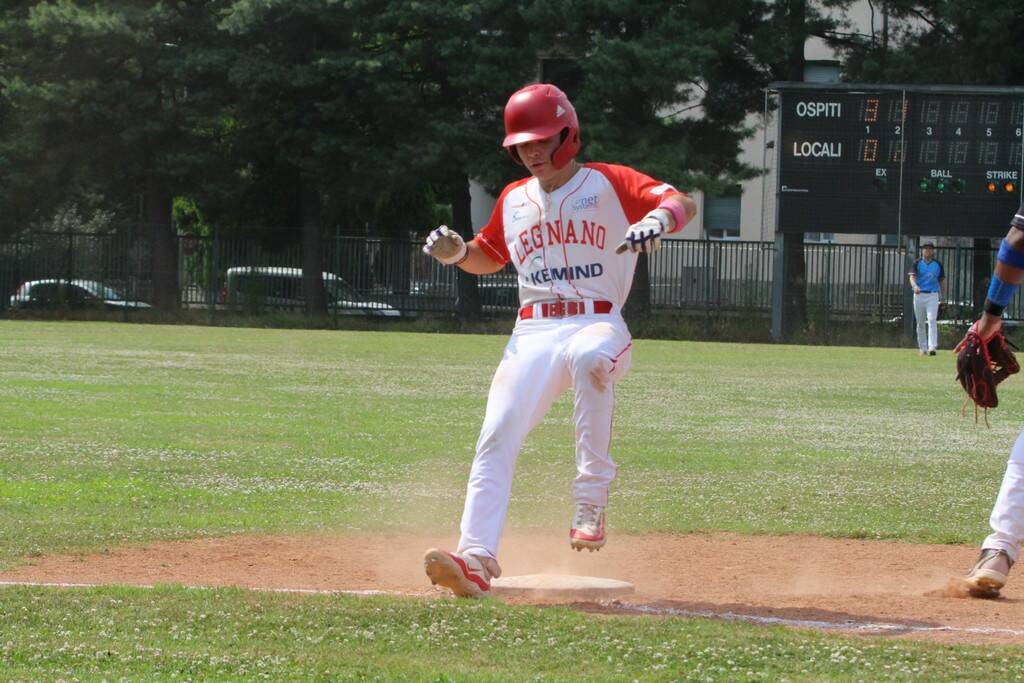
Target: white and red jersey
(563,243)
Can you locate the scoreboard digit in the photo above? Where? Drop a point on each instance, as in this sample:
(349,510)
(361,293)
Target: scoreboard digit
(895,160)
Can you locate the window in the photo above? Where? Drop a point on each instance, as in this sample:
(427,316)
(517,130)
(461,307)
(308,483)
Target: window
(722,217)
(820,237)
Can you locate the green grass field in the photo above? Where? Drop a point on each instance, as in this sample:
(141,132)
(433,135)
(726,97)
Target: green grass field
(113,434)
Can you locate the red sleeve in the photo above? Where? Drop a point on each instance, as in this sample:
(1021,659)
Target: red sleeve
(638,193)
(491,238)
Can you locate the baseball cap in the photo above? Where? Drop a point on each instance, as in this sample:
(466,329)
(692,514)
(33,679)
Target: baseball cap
(928,245)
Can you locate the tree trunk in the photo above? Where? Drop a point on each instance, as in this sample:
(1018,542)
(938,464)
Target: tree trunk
(638,305)
(469,290)
(312,251)
(157,206)
(796,20)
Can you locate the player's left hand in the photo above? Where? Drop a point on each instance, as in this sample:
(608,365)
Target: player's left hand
(983,360)
(645,234)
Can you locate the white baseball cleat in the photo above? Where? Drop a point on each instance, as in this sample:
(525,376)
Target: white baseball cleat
(989,574)
(587,528)
(468,576)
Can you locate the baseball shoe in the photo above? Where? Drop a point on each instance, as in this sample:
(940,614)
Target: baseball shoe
(587,528)
(931,352)
(989,574)
(468,576)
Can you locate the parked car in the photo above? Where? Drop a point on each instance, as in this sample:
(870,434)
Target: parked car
(273,287)
(52,293)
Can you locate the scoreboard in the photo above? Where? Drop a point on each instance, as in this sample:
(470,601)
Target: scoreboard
(895,159)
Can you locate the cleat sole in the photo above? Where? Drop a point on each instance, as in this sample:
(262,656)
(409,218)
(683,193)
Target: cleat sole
(442,571)
(589,545)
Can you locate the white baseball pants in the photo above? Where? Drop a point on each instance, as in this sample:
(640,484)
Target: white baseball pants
(926,311)
(543,358)
(1007,520)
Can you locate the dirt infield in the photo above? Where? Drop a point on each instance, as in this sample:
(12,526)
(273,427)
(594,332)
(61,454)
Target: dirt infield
(894,589)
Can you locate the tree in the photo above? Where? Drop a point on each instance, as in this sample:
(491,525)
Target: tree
(98,104)
(449,68)
(301,117)
(941,41)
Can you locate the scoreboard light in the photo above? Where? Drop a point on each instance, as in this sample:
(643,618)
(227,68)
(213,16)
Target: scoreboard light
(881,183)
(1010,187)
(941,185)
(925,185)
(992,187)
(959,185)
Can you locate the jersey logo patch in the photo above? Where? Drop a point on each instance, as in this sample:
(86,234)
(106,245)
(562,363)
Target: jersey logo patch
(559,111)
(662,189)
(585,203)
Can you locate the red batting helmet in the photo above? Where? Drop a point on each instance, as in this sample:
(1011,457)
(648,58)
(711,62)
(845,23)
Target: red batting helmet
(539,111)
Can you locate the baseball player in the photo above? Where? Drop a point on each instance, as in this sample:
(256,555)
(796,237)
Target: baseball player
(1002,547)
(926,279)
(573,231)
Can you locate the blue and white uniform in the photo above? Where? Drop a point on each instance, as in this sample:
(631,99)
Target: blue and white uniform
(928,276)
(1007,519)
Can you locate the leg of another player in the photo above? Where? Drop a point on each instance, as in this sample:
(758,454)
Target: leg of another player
(598,356)
(932,309)
(921,316)
(1002,547)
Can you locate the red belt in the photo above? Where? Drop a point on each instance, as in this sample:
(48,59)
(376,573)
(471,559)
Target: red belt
(561,309)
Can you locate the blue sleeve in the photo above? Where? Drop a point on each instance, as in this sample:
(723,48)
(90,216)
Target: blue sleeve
(942,270)
(913,269)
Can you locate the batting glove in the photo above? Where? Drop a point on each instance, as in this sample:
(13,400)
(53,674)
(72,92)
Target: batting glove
(645,234)
(446,245)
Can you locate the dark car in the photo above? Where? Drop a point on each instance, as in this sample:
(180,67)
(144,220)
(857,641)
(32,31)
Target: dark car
(72,294)
(260,287)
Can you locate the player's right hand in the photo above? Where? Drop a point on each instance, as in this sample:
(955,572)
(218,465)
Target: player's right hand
(446,245)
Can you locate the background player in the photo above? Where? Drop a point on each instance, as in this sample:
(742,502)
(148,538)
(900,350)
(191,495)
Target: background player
(1002,547)
(560,227)
(926,278)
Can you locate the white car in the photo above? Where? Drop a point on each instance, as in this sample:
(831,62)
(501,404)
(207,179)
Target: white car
(54,293)
(274,287)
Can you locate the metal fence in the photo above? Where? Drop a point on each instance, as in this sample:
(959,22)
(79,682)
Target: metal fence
(843,281)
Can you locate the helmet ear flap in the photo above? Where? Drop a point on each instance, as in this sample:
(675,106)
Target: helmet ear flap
(569,148)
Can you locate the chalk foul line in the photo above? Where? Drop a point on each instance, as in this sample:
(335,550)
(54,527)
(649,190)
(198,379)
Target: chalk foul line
(848,625)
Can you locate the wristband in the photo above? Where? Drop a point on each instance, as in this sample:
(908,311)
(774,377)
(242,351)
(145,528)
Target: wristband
(1018,219)
(992,308)
(1010,256)
(465,256)
(999,292)
(677,210)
